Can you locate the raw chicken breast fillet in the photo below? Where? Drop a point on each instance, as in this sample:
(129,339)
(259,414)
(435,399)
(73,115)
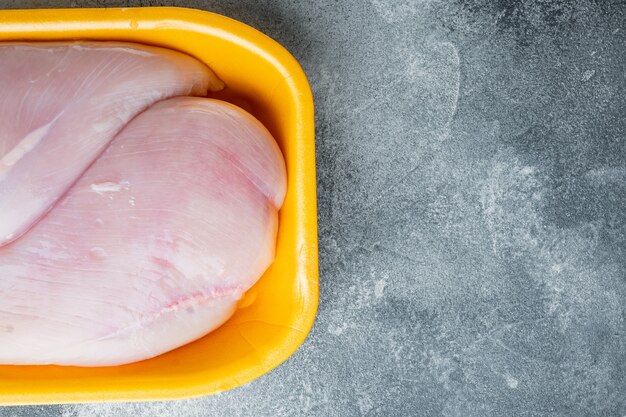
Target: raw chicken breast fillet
(61,105)
(154,244)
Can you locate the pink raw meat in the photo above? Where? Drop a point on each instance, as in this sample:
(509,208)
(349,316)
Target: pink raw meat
(154,244)
(61,105)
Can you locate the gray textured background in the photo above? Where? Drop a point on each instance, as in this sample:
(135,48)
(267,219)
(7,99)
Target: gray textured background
(472,186)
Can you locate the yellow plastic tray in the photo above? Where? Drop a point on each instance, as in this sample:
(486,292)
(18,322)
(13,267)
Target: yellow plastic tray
(275,316)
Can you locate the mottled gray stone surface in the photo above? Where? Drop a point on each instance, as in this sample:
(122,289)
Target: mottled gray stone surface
(472,193)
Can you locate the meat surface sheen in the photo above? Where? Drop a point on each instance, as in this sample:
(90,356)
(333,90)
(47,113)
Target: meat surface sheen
(136,230)
(62,104)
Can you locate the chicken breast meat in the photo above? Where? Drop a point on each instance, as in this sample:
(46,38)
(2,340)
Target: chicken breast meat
(149,247)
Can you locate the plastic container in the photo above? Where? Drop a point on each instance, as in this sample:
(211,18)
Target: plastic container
(275,316)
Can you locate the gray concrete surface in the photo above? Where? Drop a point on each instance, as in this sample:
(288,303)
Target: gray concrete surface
(472,187)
